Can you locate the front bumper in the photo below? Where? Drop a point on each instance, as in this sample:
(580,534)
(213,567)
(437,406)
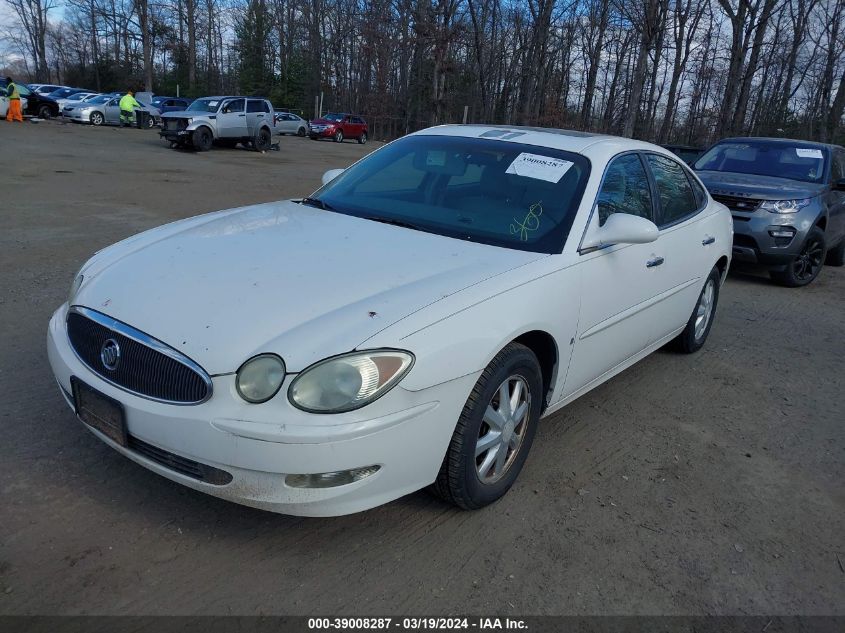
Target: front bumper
(324,133)
(405,433)
(756,239)
(180,136)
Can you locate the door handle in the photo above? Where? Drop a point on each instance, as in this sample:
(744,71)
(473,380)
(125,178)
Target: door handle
(708,240)
(655,261)
(241,115)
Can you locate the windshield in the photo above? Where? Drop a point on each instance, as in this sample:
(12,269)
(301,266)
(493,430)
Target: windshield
(777,159)
(477,189)
(333,116)
(61,93)
(204,105)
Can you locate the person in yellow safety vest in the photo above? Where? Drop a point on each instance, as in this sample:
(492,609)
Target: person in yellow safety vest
(127,108)
(14,113)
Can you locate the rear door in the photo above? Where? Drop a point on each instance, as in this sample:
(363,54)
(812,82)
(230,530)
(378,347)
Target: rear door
(835,200)
(112,110)
(231,119)
(255,115)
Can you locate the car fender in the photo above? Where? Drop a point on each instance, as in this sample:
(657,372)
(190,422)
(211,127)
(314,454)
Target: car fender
(203,122)
(459,340)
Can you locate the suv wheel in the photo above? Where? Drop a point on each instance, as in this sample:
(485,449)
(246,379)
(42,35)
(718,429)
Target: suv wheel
(262,140)
(338,136)
(807,264)
(363,138)
(494,433)
(202,139)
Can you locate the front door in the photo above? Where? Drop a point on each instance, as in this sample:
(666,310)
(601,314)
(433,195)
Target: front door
(620,283)
(231,120)
(112,110)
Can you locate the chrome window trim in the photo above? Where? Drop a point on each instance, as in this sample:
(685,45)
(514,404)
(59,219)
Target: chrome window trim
(144,339)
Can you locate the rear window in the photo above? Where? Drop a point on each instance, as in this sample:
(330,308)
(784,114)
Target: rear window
(797,161)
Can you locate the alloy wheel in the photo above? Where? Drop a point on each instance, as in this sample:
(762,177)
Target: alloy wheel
(704,310)
(809,261)
(502,429)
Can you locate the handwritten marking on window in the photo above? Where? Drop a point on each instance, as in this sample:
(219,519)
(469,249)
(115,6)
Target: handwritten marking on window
(530,223)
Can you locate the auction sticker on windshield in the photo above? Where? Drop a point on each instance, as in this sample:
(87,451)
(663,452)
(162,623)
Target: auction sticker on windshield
(539,167)
(809,153)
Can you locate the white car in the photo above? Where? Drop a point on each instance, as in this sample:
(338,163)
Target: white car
(4,105)
(406,325)
(290,123)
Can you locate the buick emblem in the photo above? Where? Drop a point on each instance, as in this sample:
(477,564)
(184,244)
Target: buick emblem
(110,354)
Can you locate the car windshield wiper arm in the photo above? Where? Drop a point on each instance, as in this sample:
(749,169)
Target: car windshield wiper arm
(395,222)
(316,202)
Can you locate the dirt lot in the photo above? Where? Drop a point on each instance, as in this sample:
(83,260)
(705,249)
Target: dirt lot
(706,484)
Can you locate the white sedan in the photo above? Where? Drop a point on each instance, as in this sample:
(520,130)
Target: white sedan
(4,105)
(405,326)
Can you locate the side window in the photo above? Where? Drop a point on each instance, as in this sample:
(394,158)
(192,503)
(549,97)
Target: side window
(267,107)
(235,105)
(677,199)
(625,189)
(700,193)
(837,168)
(254,106)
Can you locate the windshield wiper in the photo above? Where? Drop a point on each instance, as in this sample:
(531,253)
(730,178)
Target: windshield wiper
(316,202)
(394,222)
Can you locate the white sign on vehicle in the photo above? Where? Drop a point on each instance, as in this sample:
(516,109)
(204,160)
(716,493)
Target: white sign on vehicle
(809,153)
(539,167)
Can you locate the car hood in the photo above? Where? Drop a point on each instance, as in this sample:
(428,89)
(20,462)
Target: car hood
(322,122)
(280,277)
(760,187)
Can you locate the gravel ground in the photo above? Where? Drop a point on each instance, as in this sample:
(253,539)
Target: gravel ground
(705,484)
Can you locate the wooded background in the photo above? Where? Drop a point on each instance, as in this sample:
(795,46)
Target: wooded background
(682,71)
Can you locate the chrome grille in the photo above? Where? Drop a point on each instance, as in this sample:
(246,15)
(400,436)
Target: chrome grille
(146,367)
(737,203)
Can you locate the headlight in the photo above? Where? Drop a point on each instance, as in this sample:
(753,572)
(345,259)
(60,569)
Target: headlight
(784,206)
(260,378)
(74,287)
(349,382)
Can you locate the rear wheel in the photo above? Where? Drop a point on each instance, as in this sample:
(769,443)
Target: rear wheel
(494,432)
(263,140)
(97,118)
(698,327)
(807,264)
(338,136)
(202,139)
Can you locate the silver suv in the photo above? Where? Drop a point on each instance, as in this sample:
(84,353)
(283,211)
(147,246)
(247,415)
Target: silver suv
(225,121)
(787,198)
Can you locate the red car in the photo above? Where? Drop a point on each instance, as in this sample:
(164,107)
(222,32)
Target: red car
(338,127)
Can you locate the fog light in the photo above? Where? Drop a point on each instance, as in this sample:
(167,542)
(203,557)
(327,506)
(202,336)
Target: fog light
(785,232)
(330,480)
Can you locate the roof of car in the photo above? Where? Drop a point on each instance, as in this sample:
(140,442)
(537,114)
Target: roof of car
(568,140)
(229,97)
(770,139)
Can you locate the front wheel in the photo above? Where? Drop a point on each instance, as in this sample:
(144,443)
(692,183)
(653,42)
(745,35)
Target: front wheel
(338,136)
(807,264)
(202,139)
(362,140)
(698,327)
(97,118)
(44,112)
(494,432)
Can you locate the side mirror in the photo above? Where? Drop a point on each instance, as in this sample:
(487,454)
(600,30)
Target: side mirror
(839,185)
(331,175)
(620,228)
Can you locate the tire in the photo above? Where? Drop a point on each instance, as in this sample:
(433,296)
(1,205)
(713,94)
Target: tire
(44,112)
(263,140)
(97,118)
(806,266)
(362,140)
(301,131)
(472,479)
(836,256)
(151,122)
(698,327)
(338,136)
(202,139)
